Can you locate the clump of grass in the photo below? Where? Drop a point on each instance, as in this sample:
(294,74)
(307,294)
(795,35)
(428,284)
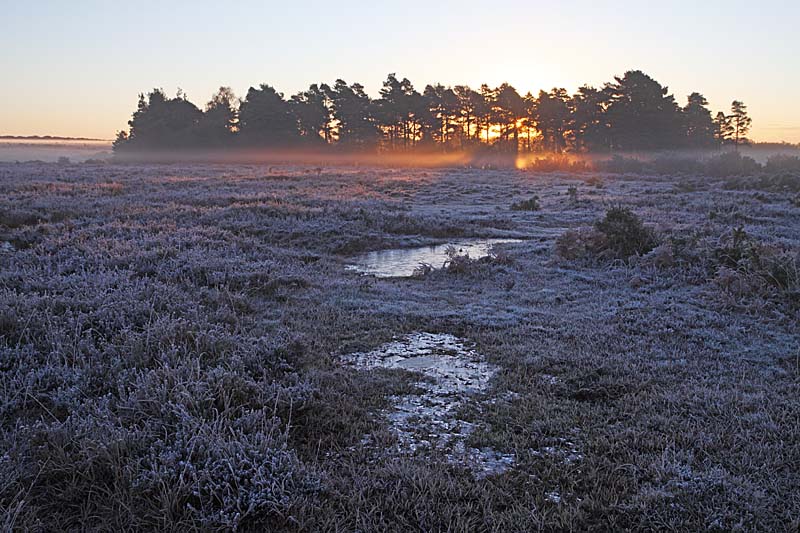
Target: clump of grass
(572,192)
(463,264)
(595,181)
(422,270)
(531,204)
(745,267)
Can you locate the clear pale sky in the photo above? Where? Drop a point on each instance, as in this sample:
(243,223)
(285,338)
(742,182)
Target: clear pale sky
(75,68)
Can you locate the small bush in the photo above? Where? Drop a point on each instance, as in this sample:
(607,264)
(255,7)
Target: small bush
(531,204)
(731,164)
(618,235)
(625,234)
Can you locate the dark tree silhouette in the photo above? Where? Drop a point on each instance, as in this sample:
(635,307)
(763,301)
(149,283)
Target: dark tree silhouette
(740,122)
(471,106)
(312,111)
(642,115)
(265,119)
(551,114)
(634,112)
(162,123)
(589,126)
(219,123)
(698,124)
(509,109)
(355,114)
(443,105)
(401,112)
(723,129)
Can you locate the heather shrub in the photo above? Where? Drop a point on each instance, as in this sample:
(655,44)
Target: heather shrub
(620,234)
(625,235)
(780,182)
(782,162)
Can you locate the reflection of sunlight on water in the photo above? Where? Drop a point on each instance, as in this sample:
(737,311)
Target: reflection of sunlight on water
(401,262)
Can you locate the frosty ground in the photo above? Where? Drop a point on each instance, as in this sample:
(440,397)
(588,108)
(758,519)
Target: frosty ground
(176,347)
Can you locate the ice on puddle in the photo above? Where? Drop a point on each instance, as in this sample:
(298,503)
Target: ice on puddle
(457,374)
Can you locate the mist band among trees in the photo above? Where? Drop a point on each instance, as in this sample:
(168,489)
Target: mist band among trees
(632,113)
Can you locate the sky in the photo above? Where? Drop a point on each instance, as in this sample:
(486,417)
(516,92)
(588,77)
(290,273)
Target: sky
(75,68)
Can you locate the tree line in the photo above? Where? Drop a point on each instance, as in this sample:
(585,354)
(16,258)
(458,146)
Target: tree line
(634,112)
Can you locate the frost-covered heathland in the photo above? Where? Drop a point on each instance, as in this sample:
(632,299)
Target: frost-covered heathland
(176,348)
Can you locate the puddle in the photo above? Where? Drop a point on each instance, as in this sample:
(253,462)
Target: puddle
(401,262)
(456,375)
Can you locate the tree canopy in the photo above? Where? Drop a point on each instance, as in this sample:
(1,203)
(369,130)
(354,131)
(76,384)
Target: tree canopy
(633,112)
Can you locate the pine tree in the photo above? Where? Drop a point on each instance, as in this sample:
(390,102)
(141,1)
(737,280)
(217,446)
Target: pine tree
(723,130)
(740,122)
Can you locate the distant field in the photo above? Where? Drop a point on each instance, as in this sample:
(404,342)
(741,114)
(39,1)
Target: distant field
(51,150)
(179,349)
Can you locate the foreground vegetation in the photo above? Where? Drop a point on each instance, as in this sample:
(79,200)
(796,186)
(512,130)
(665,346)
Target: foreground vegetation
(172,337)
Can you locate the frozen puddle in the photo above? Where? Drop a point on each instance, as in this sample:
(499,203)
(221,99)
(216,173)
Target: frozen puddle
(401,262)
(455,374)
